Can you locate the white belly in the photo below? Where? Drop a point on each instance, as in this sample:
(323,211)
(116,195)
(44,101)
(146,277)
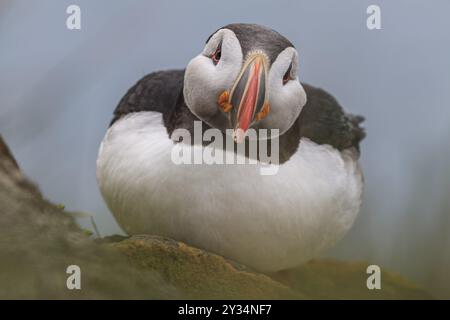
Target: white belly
(269,222)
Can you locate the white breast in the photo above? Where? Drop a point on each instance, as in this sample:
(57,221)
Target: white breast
(266,222)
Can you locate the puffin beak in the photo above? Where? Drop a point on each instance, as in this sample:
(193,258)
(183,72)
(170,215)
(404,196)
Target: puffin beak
(249,96)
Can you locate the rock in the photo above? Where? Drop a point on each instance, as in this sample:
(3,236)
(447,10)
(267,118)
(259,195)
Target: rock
(39,240)
(331,279)
(199,274)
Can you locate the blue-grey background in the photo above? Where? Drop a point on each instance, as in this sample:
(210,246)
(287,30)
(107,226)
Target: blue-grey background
(59,87)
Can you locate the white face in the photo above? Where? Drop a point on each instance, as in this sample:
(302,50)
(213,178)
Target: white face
(229,91)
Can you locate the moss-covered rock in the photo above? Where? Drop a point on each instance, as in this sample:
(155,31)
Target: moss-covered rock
(200,274)
(39,240)
(331,279)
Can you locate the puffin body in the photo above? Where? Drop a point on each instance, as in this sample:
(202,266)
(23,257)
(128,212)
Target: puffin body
(246,77)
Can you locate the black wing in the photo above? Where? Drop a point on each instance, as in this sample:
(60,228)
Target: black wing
(156,91)
(324,121)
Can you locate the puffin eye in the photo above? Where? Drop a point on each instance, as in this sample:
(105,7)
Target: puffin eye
(217,55)
(287,75)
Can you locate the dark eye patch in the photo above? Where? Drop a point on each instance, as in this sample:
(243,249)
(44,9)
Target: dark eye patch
(287,75)
(215,57)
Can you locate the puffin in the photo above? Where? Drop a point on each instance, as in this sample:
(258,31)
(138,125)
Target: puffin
(246,78)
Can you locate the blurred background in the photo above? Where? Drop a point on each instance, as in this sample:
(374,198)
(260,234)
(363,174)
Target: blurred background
(59,87)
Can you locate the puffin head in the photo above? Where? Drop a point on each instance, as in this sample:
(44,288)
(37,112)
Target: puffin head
(245,77)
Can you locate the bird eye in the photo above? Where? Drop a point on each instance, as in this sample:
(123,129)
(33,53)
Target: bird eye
(287,75)
(217,55)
